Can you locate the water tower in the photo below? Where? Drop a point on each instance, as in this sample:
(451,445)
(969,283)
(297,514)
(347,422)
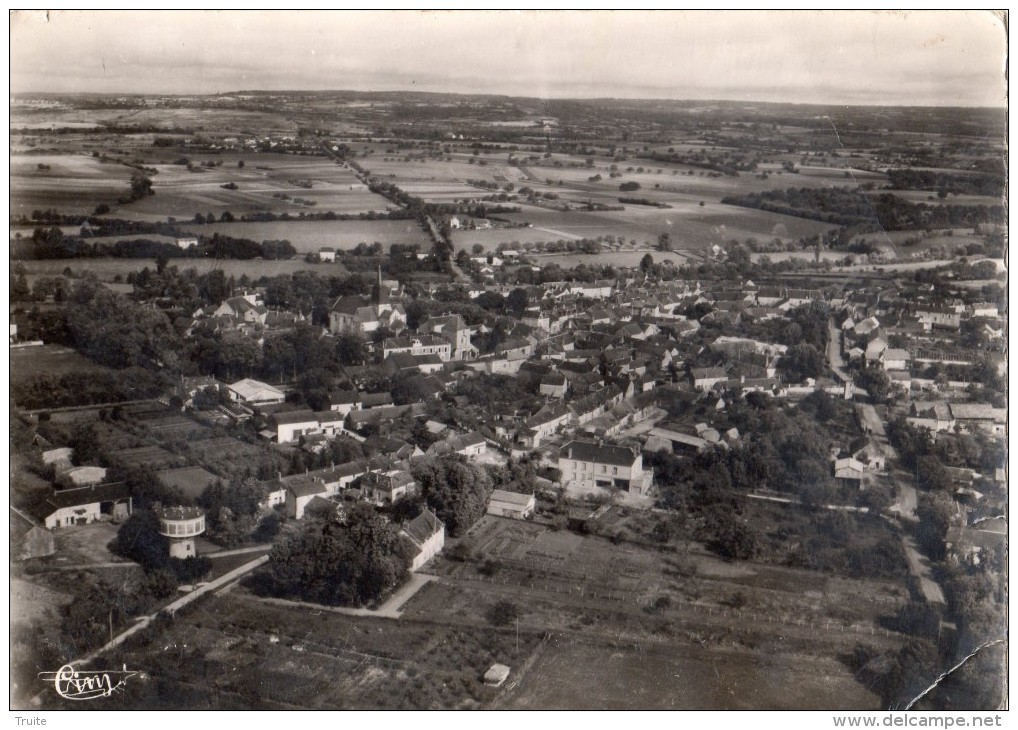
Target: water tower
(181,525)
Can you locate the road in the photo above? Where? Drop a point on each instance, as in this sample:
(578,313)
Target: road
(389,609)
(834,352)
(904,507)
(178,604)
(906,503)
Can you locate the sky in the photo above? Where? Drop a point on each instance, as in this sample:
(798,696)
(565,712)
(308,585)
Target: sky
(929,58)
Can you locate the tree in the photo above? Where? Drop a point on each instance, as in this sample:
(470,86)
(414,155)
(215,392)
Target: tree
(517,301)
(456,490)
(664,242)
(803,361)
(141,186)
(477,249)
(351,349)
(347,564)
(647,263)
(628,187)
(874,381)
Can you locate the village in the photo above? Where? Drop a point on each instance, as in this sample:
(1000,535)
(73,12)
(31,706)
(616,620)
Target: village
(385,400)
(618,383)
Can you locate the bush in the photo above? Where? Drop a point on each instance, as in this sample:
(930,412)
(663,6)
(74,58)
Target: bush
(503,613)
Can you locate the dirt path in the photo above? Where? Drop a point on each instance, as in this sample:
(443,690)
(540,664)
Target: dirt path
(390,609)
(834,352)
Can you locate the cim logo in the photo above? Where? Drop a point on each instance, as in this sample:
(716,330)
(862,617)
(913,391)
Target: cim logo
(85,684)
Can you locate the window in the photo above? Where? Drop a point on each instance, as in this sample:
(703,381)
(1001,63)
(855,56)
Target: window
(615,470)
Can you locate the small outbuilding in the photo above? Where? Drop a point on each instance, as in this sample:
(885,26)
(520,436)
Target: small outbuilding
(513,505)
(497,675)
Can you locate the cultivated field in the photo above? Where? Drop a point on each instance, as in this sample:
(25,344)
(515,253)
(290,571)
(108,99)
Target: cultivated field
(181,193)
(689,225)
(309,236)
(73,183)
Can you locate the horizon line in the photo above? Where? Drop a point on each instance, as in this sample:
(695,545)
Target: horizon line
(1002,107)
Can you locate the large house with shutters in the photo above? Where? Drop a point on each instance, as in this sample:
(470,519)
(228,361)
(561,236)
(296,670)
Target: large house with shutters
(586,465)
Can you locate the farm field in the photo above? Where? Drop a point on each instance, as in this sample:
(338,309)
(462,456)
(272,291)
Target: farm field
(608,258)
(181,193)
(108,268)
(396,170)
(74,183)
(897,240)
(930,197)
(663,676)
(27,362)
(309,236)
(592,615)
(689,225)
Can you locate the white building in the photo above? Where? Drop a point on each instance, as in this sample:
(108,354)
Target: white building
(255,392)
(586,465)
(513,505)
(427,535)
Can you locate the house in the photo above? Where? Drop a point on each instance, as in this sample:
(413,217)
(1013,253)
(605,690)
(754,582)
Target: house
(454,330)
(299,493)
(587,465)
(186,243)
(545,422)
(242,309)
(848,472)
(327,254)
(940,317)
(470,445)
(255,392)
(513,505)
(388,487)
(869,454)
(669,439)
(894,359)
(867,327)
(981,416)
(706,378)
(935,416)
(292,425)
(554,385)
(84,505)
(874,348)
(344,401)
(417,345)
(29,538)
(426,534)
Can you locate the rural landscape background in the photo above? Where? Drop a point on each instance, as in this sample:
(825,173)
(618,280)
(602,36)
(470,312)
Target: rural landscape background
(373,340)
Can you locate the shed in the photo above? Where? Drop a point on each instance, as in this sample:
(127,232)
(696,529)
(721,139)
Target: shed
(496,675)
(511,504)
